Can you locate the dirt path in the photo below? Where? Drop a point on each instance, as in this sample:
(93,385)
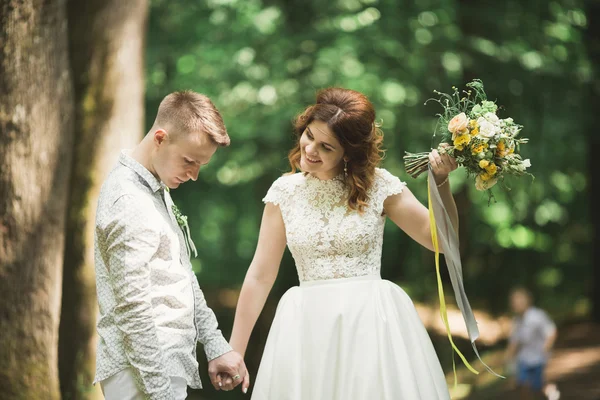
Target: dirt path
(574,368)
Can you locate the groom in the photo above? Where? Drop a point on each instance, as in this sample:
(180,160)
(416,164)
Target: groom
(152,311)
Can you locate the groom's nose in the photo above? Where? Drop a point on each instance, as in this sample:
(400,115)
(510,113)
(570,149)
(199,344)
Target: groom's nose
(193,173)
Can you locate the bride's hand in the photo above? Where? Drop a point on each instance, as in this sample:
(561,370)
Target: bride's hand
(442,165)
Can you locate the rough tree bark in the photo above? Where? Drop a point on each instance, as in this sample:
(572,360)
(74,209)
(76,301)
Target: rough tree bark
(35,164)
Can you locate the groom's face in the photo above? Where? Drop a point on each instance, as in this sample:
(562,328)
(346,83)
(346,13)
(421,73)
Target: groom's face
(178,158)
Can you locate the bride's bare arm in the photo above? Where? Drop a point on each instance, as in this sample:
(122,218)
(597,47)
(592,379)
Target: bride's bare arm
(411,216)
(407,212)
(260,276)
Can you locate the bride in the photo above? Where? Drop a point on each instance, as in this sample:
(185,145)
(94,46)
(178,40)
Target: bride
(344,333)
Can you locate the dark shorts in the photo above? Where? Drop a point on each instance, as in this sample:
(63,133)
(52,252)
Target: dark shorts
(531,376)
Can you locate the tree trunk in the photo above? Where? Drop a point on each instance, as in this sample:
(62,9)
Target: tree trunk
(592,42)
(35,159)
(106,43)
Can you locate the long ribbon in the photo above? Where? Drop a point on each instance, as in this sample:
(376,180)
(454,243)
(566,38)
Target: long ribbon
(445,235)
(190,242)
(185,227)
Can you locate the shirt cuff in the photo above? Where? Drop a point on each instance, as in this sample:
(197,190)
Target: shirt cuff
(216,348)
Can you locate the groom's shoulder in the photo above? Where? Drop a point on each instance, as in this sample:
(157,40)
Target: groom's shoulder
(120,182)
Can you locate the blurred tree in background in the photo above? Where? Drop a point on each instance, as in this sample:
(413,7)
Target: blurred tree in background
(262,61)
(72,85)
(106,52)
(35,137)
(592,41)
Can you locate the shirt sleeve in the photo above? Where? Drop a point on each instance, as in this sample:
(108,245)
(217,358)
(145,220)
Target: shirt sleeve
(547,326)
(209,334)
(129,244)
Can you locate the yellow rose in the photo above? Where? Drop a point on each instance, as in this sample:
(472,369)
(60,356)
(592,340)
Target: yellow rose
(483,164)
(458,124)
(478,148)
(475,131)
(485,176)
(491,169)
(501,149)
(461,141)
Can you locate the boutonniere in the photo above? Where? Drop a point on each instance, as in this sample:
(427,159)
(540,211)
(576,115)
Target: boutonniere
(182,221)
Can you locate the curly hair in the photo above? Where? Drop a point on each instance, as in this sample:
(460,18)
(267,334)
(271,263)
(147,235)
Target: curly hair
(351,117)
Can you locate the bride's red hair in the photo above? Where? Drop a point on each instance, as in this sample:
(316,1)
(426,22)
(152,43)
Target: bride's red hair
(351,117)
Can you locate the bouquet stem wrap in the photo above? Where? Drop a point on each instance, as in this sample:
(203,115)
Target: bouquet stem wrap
(444,235)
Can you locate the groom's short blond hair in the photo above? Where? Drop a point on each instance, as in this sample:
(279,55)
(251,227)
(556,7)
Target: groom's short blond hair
(190,112)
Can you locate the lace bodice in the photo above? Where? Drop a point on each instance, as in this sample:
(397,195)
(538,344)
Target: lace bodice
(326,238)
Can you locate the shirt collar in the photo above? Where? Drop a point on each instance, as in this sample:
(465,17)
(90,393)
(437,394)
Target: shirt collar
(126,159)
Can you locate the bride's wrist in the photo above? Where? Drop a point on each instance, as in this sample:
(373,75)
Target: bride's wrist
(441,180)
(237,347)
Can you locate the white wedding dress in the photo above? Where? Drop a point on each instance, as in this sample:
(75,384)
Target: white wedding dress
(344,333)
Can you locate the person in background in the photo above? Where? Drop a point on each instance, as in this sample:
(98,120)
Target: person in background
(532,337)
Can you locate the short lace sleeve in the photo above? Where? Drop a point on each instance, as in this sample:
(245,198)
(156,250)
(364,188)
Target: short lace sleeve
(279,191)
(385,185)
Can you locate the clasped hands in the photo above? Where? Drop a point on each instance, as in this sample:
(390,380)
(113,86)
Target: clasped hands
(228,371)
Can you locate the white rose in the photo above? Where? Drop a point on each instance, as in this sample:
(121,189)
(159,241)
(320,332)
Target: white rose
(487,130)
(491,117)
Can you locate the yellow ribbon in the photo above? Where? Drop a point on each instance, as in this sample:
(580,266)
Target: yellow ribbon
(443,311)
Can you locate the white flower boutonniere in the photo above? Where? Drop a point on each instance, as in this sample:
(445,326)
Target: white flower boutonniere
(182,221)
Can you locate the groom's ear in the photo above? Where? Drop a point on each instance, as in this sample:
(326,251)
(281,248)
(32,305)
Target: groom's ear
(160,135)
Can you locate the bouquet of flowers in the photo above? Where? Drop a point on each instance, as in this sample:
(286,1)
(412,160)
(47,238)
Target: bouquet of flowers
(471,132)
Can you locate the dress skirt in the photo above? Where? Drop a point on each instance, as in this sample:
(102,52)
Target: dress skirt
(348,339)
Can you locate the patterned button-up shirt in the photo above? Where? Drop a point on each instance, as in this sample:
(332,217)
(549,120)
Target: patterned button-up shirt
(152,311)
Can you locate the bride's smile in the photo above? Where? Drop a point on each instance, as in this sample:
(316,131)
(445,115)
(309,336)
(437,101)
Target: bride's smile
(321,152)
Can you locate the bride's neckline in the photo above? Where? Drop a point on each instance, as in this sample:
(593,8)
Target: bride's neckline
(338,178)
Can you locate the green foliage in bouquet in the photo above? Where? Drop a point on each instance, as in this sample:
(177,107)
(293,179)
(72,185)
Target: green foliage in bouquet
(470,130)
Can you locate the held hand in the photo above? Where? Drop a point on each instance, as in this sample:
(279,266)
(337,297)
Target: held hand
(228,371)
(228,383)
(442,165)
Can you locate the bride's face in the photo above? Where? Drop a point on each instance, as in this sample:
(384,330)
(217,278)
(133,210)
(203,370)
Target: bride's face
(321,153)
